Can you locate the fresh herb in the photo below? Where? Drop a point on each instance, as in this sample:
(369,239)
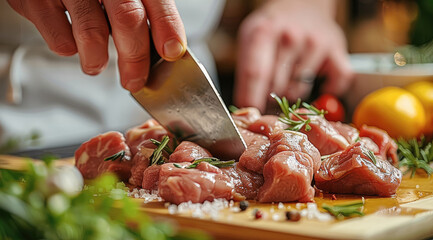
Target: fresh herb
(289,111)
(370,155)
(415,154)
(233,108)
(345,210)
(213,161)
(166,148)
(34,205)
(177,165)
(120,155)
(157,157)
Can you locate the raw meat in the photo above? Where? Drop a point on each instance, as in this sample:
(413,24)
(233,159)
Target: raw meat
(255,156)
(323,135)
(267,124)
(151,177)
(89,157)
(188,152)
(246,183)
(177,185)
(139,163)
(288,177)
(245,116)
(137,136)
(387,146)
(353,171)
(350,133)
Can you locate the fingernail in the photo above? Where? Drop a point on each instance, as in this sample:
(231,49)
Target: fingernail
(134,85)
(173,49)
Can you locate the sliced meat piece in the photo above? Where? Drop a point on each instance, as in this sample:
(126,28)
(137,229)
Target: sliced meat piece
(177,185)
(249,136)
(352,171)
(188,152)
(266,124)
(139,163)
(89,157)
(286,140)
(369,144)
(323,135)
(138,135)
(387,146)
(151,177)
(350,133)
(254,157)
(246,183)
(288,177)
(245,116)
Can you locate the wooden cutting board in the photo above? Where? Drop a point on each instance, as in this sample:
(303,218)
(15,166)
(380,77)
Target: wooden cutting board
(407,215)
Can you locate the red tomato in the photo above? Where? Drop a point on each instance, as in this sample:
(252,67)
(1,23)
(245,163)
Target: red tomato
(331,104)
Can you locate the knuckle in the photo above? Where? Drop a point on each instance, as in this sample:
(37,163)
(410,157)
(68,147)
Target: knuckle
(290,37)
(129,14)
(257,26)
(89,31)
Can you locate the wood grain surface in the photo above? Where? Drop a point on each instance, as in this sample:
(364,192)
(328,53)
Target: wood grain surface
(406,215)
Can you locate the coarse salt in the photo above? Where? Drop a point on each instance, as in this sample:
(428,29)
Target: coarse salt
(312,213)
(280,205)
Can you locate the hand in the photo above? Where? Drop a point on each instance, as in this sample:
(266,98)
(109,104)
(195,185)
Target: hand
(283,45)
(88,33)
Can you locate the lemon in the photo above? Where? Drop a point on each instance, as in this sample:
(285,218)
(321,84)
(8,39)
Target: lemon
(394,110)
(423,90)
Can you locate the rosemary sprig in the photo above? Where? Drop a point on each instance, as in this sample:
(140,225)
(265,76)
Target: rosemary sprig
(344,210)
(370,155)
(166,148)
(213,161)
(157,157)
(120,155)
(296,125)
(415,154)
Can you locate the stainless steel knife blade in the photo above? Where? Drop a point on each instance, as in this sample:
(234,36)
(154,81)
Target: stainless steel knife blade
(181,96)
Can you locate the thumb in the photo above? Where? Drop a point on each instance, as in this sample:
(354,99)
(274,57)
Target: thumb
(167,28)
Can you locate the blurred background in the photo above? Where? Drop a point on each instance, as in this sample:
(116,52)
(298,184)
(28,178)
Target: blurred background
(370,26)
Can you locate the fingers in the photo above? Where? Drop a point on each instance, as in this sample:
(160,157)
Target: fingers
(50,19)
(131,36)
(167,28)
(90,31)
(339,74)
(256,59)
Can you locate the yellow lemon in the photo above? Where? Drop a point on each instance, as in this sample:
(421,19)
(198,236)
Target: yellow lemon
(423,90)
(392,109)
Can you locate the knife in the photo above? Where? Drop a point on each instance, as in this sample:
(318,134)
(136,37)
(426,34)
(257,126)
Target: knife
(181,96)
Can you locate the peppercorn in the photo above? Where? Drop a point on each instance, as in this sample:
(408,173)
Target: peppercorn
(258,214)
(243,205)
(293,216)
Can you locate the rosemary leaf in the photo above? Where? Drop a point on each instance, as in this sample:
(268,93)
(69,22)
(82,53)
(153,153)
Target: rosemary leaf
(177,165)
(415,154)
(370,155)
(120,155)
(213,161)
(166,148)
(233,108)
(345,210)
(156,157)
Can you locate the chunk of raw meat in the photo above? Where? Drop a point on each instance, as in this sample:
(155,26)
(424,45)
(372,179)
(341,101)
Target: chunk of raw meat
(140,162)
(288,177)
(387,146)
(353,171)
(323,135)
(255,156)
(89,157)
(281,141)
(188,152)
(246,183)
(350,133)
(137,136)
(245,116)
(151,177)
(177,185)
(267,124)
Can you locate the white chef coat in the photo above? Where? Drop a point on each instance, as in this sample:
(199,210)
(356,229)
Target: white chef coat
(49,94)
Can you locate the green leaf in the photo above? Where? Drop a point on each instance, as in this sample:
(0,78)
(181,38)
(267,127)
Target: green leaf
(345,210)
